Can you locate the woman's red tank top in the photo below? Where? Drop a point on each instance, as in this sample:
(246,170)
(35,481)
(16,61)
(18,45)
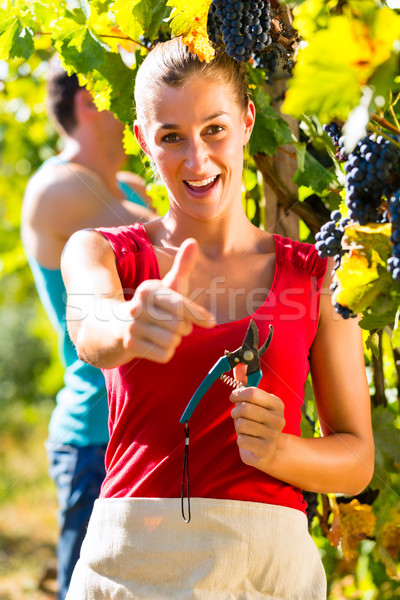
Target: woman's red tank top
(145,452)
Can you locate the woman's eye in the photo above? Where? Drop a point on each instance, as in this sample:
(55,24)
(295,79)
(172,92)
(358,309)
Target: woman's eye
(171,137)
(215,129)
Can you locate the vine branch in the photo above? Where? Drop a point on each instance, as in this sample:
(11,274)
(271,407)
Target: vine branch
(384,123)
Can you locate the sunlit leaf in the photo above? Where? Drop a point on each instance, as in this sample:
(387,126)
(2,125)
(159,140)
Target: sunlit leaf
(132,17)
(353,523)
(313,174)
(387,448)
(329,84)
(362,276)
(190,21)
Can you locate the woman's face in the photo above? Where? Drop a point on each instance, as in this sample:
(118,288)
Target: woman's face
(195,134)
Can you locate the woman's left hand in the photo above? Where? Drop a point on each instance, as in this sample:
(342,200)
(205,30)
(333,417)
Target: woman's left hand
(259,421)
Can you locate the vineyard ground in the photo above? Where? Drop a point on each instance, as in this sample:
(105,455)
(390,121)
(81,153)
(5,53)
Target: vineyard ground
(28,521)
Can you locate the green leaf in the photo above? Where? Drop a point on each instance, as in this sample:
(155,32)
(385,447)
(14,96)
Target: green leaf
(387,447)
(85,8)
(8,26)
(112,86)
(159,13)
(377,317)
(16,41)
(132,17)
(79,49)
(301,155)
(396,330)
(372,343)
(45,13)
(329,83)
(270,129)
(313,174)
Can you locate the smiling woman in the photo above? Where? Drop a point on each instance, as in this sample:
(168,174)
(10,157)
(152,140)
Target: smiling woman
(200,159)
(162,303)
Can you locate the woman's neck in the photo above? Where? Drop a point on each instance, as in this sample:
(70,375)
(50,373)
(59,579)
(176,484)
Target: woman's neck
(227,234)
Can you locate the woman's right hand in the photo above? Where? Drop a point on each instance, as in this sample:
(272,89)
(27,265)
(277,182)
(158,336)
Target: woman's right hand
(160,313)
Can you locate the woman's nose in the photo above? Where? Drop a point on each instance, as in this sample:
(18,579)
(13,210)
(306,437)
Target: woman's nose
(196,156)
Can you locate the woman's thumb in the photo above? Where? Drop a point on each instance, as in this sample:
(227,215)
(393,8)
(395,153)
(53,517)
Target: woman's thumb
(177,278)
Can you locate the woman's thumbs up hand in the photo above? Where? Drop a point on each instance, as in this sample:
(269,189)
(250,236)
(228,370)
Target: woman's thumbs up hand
(162,313)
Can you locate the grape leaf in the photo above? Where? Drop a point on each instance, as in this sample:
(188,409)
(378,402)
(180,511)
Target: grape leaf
(388,540)
(352,523)
(159,13)
(387,447)
(379,315)
(313,174)
(270,129)
(362,276)
(132,17)
(329,84)
(15,40)
(112,86)
(79,49)
(85,8)
(190,21)
(310,17)
(396,330)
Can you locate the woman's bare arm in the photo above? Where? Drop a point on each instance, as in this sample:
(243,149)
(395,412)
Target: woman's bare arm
(109,331)
(342,460)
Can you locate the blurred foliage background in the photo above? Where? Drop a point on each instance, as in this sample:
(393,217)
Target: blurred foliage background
(359,541)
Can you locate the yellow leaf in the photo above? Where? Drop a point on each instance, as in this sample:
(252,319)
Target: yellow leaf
(353,277)
(353,523)
(362,275)
(389,534)
(189,19)
(360,48)
(198,43)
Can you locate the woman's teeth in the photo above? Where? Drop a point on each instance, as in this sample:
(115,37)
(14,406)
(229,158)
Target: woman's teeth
(203,182)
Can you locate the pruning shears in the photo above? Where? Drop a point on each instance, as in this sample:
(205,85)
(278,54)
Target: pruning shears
(248,354)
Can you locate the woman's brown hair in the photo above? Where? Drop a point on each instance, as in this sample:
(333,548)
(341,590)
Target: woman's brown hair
(171,63)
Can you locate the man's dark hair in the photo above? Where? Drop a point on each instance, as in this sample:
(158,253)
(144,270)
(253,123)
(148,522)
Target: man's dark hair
(61,90)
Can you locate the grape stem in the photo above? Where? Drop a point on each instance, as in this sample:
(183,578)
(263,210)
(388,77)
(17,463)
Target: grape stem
(105,35)
(385,135)
(392,104)
(384,123)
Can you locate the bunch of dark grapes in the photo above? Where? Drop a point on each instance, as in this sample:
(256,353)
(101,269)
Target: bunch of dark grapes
(393,263)
(312,506)
(214,26)
(268,62)
(335,133)
(328,242)
(368,176)
(244,26)
(329,238)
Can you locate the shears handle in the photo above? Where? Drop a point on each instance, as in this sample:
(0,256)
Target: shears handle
(254,379)
(220,367)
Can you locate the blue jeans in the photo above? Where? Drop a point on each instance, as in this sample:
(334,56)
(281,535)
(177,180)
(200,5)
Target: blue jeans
(78,473)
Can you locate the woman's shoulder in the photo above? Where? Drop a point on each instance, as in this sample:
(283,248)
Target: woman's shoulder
(126,239)
(301,255)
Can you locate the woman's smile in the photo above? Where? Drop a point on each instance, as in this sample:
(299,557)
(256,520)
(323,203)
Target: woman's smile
(202,187)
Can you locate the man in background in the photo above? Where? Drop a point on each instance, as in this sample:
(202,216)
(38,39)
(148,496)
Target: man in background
(81,187)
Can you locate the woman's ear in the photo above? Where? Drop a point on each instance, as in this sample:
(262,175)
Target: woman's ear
(139,135)
(249,121)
